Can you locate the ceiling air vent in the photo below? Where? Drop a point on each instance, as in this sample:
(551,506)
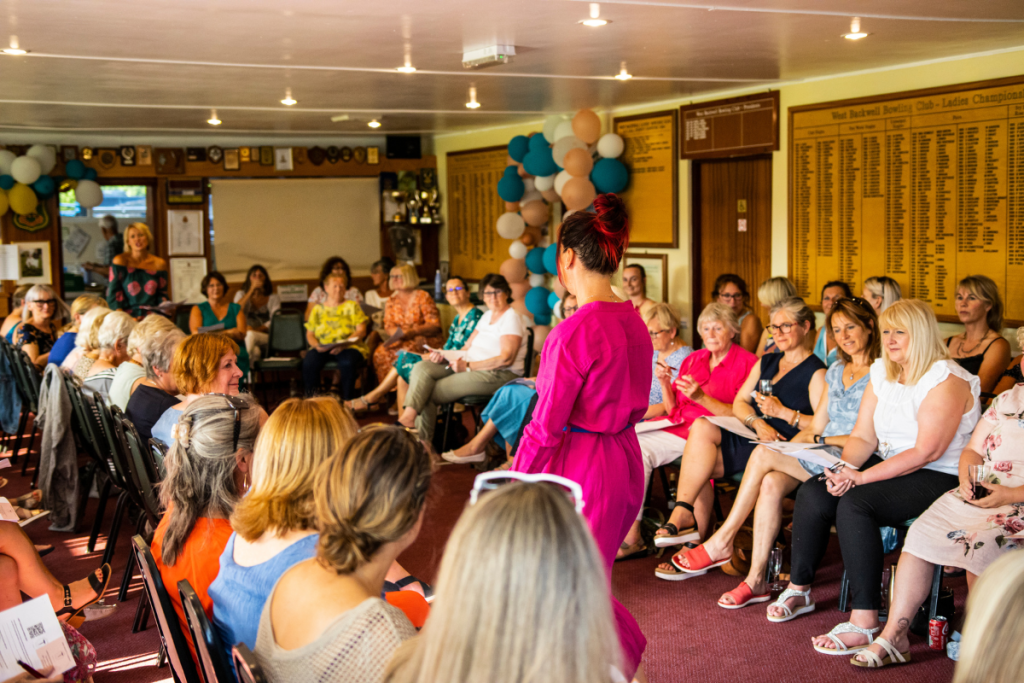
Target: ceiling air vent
(488,56)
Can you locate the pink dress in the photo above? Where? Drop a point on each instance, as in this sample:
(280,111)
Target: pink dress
(593,385)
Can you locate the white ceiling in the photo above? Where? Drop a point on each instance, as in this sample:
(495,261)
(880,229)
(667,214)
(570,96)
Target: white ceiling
(156,67)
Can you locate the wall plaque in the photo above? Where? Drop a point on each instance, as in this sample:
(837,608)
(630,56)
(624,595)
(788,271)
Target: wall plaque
(738,126)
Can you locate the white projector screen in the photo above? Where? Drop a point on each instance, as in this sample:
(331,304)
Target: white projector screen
(292,226)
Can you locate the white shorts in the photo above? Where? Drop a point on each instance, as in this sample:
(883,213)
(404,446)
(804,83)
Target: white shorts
(658,448)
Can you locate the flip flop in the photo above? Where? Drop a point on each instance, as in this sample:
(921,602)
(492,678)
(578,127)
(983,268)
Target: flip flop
(392,586)
(744,596)
(698,559)
(892,656)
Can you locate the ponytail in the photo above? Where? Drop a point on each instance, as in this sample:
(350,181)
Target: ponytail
(599,239)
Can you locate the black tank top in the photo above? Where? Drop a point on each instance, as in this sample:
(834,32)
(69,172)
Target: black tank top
(972,364)
(792,389)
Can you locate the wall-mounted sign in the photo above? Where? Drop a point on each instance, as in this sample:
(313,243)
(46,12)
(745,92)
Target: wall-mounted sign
(738,126)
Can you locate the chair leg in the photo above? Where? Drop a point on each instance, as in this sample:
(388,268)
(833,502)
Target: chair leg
(85,478)
(28,451)
(101,508)
(22,425)
(718,506)
(129,569)
(449,412)
(115,527)
(933,606)
(142,615)
(670,495)
(844,593)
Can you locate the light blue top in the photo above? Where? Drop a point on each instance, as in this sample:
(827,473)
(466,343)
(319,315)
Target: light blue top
(673,361)
(239,593)
(843,403)
(162,429)
(827,358)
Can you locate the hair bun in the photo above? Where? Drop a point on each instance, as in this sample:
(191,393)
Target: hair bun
(611,215)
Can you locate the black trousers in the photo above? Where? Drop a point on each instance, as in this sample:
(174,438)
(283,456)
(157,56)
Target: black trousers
(350,362)
(859,515)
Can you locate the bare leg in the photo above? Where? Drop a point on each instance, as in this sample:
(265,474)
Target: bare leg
(10,596)
(386,385)
(971,578)
(913,583)
(702,459)
(396,573)
(479,442)
(30,576)
(864,618)
(640,676)
(407,418)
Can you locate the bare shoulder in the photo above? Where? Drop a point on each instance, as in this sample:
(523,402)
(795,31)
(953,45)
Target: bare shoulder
(156,263)
(121,260)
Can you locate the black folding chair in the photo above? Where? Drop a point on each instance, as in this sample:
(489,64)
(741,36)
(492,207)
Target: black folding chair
(246,667)
(214,665)
(287,335)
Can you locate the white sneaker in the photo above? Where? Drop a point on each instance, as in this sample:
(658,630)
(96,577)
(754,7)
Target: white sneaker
(475,457)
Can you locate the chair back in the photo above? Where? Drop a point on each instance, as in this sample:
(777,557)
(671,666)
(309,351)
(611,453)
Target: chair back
(167,624)
(118,459)
(142,470)
(29,378)
(81,422)
(531,353)
(181,318)
(287,333)
(214,665)
(158,449)
(246,667)
(8,350)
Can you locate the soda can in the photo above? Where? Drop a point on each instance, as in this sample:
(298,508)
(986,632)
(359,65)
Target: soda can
(938,633)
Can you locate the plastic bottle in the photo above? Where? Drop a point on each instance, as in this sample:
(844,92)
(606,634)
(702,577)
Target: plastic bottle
(437,285)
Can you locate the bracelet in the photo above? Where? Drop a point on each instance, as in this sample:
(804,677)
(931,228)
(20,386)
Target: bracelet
(818,438)
(749,420)
(796,419)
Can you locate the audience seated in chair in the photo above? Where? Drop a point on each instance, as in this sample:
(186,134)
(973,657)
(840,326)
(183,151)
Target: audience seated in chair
(218,312)
(335,321)
(731,290)
(65,344)
(797,378)
(519,555)
(825,347)
(130,374)
(634,285)
(157,391)
(13,319)
(990,649)
(769,293)
(87,343)
(325,615)
(495,355)
(259,304)
(337,266)
(981,349)
(881,292)
(412,311)
(113,347)
(961,529)
(42,316)
(380,275)
(663,325)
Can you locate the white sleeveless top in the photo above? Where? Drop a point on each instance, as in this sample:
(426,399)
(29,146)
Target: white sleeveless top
(896,413)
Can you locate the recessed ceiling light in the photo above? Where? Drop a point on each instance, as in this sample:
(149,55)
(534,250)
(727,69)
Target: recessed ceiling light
(14,49)
(623,75)
(374,124)
(288,99)
(595,16)
(213,120)
(855,32)
(472,104)
(407,69)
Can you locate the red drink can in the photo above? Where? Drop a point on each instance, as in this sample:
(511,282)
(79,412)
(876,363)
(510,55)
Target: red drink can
(938,633)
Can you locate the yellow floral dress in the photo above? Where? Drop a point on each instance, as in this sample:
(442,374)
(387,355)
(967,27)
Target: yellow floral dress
(332,324)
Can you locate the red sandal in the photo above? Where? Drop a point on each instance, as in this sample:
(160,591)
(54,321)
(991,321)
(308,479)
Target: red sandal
(698,559)
(743,595)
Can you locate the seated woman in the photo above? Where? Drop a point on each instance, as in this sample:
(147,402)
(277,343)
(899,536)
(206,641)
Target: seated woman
(797,380)
(113,345)
(961,529)
(335,331)
(988,650)
(881,292)
(410,311)
(467,316)
(380,275)
(825,347)
(981,350)
(42,316)
(1011,376)
(158,391)
(731,290)
(337,266)
(918,412)
(275,525)
(209,467)
(523,547)
(495,355)
(669,351)
(132,372)
(771,476)
(65,344)
(13,319)
(771,292)
(87,343)
(706,384)
(259,304)
(325,614)
(138,278)
(219,316)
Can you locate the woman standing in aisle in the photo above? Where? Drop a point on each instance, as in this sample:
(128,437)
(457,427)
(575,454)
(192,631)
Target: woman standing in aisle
(593,386)
(137,277)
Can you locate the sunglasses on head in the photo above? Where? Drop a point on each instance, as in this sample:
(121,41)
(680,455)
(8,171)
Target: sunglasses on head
(489,481)
(238,405)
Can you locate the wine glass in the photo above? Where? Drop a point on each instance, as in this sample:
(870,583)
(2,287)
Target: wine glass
(765,387)
(774,568)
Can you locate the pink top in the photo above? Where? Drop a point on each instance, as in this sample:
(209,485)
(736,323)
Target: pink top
(721,384)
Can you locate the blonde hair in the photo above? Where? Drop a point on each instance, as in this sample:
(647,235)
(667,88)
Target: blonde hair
(520,565)
(775,289)
(990,650)
(666,315)
(197,360)
(926,347)
(150,326)
(88,338)
(84,303)
(144,229)
(715,312)
(299,436)
(410,278)
(885,288)
(985,289)
(796,308)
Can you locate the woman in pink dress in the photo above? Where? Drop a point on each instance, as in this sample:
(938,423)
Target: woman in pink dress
(593,385)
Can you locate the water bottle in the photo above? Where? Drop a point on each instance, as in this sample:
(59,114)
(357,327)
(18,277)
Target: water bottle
(437,286)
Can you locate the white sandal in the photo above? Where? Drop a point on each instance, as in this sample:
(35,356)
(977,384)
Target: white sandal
(842,648)
(893,656)
(806,608)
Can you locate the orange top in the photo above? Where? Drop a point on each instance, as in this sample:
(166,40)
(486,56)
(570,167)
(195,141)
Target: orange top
(198,561)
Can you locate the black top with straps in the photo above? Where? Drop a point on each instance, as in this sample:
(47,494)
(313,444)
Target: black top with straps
(972,364)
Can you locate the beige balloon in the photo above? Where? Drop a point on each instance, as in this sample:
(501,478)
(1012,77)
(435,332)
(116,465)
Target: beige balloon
(551,196)
(513,270)
(578,163)
(536,213)
(586,125)
(578,193)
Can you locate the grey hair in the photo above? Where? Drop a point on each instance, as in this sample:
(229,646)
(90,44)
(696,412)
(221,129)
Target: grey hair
(62,312)
(115,328)
(149,326)
(796,309)
(109,222)
(157,350)
(201,466)
(88,338)
(716,312)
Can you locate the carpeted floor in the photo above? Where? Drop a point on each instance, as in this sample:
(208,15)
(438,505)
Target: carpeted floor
(689,638)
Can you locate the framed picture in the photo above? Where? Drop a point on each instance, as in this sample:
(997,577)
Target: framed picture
(184,232)
(656,271)
(283,158)
(243,154)
(231,162)
(144,154)
(68,153)
(373,155)
(34,263)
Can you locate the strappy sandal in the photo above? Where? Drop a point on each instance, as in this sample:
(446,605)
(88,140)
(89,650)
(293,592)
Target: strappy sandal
(634,551)
(351,405)
(675,536)
(29,501)
(698,559)
(806,608)
(673,574)
(77,615)
(892,656)
(392,586)
(842,648)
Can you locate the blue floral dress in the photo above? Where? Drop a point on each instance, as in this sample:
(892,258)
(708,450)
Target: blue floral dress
(458,335)
(674,360)
(843,406)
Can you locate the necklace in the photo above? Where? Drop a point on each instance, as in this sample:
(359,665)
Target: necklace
(976,345)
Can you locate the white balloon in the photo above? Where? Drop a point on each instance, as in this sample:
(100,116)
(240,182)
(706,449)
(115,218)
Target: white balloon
(510,225)
(517,250)
(564,130)
(88,193)
(528,185)
(45,155)
(536,280)
(544,242)
(7,158)
(562,148)
(560,180)
(544,183)
(610,146)
(26,170)
(531,197)
(551,124)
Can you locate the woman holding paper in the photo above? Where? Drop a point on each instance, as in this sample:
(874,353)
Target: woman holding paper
(411,313)
(797,380)
(221,316)
(335,331)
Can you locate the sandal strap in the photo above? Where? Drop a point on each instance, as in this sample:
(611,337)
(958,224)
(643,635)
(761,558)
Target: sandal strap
(671,528)
(894,654)
(686,506)
(873,660)
(67,595)
(790,593)
(848,627)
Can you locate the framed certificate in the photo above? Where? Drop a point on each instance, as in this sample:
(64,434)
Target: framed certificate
(184,232)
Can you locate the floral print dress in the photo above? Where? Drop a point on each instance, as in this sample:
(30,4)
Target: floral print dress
(955,533)
(419,311)
(130,288)
(458,334)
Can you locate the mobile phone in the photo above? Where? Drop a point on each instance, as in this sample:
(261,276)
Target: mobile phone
(31,672)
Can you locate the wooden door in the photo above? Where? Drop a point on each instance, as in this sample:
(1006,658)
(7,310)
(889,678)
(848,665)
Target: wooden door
(727,238)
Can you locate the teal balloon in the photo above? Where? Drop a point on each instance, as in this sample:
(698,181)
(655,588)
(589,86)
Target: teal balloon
(44,187)
(538,142)
(511,170)
(75,169)
(535,261)
(518,147)
(609,175)
(542,319)
(553,300)
(90,174)
(511,188)
(539,162)
(537,301)
(6,182)
(551,259)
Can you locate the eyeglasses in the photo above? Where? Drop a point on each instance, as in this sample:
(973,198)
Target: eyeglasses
(452,290)
(733,297)
(784,328)
(569,310)
(238,405)
(490,481)
(45,302)
(495,292)
(655,334)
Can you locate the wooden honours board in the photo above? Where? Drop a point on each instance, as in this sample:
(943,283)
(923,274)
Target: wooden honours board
(738,126)
(651,198)
(925,187)
(474,246)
